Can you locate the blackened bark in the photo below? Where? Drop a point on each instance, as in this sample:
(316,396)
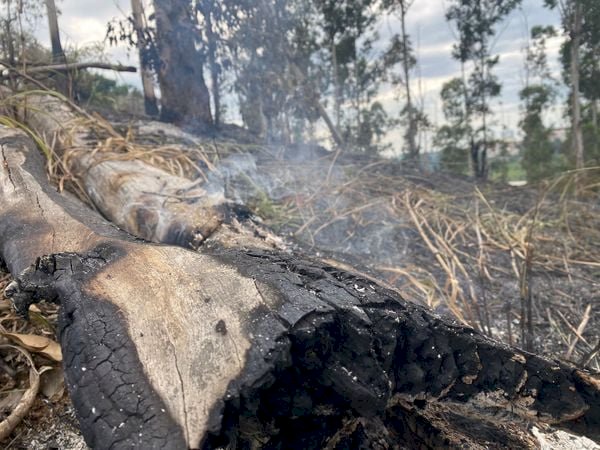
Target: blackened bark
(185,99)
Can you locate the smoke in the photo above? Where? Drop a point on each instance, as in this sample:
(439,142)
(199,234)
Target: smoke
(300,193)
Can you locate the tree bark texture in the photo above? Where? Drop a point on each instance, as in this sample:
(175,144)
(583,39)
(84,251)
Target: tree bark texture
(250,347)
(184,96)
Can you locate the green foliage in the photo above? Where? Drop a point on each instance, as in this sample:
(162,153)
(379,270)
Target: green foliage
(538,152)
(371,130)
(95,90)
(453,139)
(591,142)
(453,144)
(507,169)
(355,75)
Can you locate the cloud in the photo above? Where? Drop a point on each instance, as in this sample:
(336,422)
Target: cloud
(83,23)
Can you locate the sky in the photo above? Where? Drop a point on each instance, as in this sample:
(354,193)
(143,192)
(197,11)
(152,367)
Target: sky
(83,23)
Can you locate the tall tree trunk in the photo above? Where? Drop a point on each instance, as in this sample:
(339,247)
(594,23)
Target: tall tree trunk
(473,157)
(9,44)
(411,135)
(139,23)
(58,54)
(212,60)
(482,169)
(576,102)
(335,134)
(184,96)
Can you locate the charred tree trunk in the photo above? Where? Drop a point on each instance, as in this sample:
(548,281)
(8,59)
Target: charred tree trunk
(139,23)
(184,96)
(237,345)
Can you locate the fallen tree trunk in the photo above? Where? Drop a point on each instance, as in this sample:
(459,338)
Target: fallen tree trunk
(259,348)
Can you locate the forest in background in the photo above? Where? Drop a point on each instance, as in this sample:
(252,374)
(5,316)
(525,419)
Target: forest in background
(313,71)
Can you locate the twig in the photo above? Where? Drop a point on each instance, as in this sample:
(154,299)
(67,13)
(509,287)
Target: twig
(572,328)
(9,424)
(580,329)
(69,67)
(587,358)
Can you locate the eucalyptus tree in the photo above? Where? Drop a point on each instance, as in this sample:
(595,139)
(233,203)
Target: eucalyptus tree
(476,22)
(454,138)
(356,70)
(401,52)
(143,43)
(580,57)
(185,98)
(537,95)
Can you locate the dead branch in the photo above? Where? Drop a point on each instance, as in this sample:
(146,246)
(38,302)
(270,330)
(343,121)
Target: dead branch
(31,70)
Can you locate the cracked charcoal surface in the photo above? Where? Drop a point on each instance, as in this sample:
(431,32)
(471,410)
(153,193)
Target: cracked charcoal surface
(115,404)
(352,349)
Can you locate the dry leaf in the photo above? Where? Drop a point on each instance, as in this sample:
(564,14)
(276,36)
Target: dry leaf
(10,401)
(27,399)
(52,384)
(37,344)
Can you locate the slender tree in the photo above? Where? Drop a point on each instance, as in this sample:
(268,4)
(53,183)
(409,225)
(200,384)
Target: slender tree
(401,52)
(571,12)
(537,95)
(580,57)
(58,54)
(476,22)
(453,138)
(141,27)
(212,16)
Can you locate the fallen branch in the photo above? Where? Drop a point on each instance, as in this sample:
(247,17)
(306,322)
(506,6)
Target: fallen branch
(30,70)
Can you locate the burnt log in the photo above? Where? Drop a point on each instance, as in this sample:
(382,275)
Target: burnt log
(241,346)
